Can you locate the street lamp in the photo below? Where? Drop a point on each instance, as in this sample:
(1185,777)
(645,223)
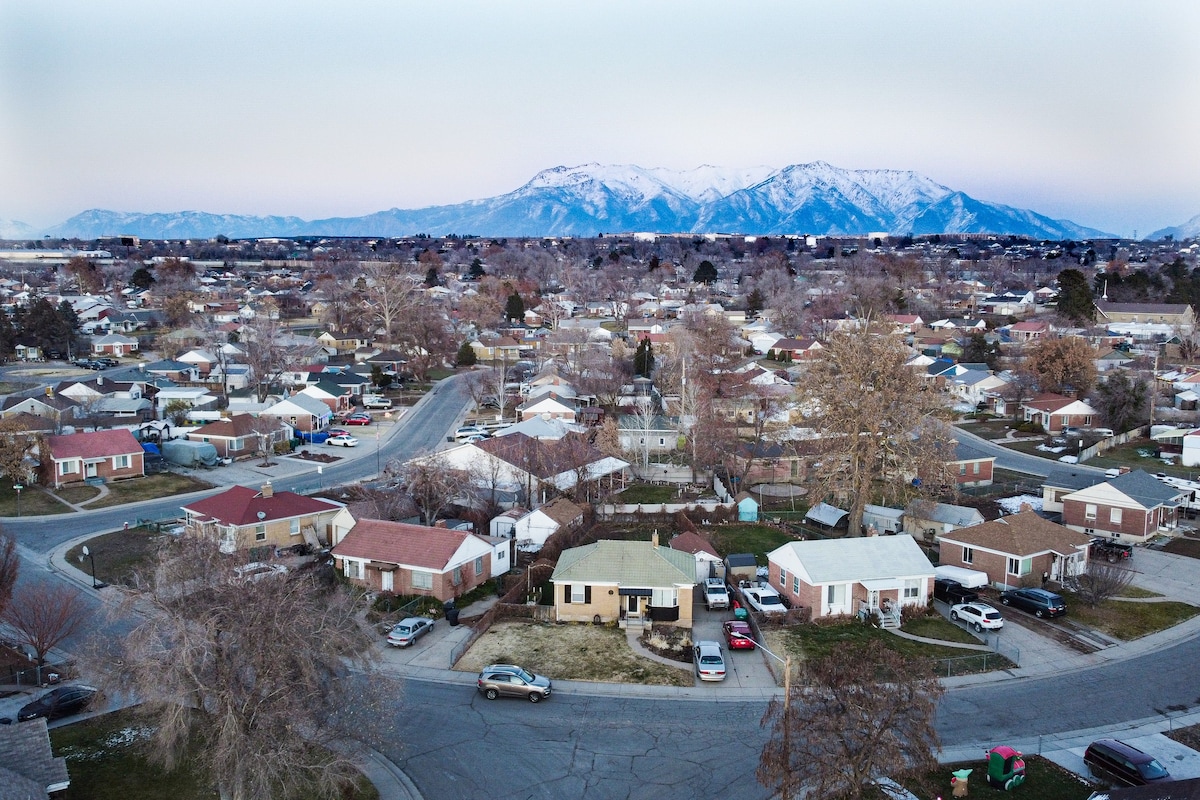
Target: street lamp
(17,488)
(95,583)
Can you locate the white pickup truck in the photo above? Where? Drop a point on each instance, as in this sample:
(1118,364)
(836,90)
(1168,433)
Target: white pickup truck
(763,598)
(715,594)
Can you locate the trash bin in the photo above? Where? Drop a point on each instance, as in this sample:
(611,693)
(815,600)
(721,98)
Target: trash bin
(451,612)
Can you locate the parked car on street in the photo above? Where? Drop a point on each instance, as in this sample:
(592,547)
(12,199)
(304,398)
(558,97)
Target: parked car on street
(951,591)
(357,419)
(344,440)
(1038,602)
(1123,764)
(375,401)
(337,431)
(407,631)
(60,702)
(509,680)
(709,663)
(467,431)
(738,634)
(977,615)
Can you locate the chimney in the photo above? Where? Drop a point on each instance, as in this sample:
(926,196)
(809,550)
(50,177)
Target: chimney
(654,538)
(49,391)
(440,523)
(1025,507)
(267,490)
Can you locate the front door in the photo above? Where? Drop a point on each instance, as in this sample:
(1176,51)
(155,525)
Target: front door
(386,581)
(872,599)
(632,605)
(89,470)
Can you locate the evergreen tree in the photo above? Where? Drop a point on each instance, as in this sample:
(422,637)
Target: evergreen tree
(431,277)
(653,264)
(643,359)
(515,307)
(476,272)
(141,278)
(705,273)
(466,355)
(1075,297)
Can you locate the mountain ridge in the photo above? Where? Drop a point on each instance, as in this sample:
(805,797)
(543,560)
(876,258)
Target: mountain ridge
(590,199)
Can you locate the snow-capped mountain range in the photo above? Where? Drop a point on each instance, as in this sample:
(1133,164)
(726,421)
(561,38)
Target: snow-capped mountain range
(590,199)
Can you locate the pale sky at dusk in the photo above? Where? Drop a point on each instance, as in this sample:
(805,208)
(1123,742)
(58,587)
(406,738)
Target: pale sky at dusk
(1081,110)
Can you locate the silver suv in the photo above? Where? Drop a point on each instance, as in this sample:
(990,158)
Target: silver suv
(512,681)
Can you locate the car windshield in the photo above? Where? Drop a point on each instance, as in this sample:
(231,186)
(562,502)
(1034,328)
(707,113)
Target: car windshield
(1152,770)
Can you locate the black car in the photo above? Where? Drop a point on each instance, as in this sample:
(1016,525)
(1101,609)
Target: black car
(1037,601)
(952,592)
(60,702)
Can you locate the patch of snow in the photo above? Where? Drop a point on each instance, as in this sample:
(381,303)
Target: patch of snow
(1012,505)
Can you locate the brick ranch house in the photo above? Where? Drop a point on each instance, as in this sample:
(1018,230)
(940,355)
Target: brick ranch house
(77,457)
(409,559)
(1018,550)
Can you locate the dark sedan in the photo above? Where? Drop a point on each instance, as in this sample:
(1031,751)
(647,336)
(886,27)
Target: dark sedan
(60,702)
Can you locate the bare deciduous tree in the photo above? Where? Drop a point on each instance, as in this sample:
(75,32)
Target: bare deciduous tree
(44,613)
(868,408)
(391,293)
(866,711)
(17,443)
(1103,580)
(266,350)
(251,680)
(10,566)
(433,484)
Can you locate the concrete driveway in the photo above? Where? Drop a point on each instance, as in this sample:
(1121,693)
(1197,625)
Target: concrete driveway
(744,669)
(1171,575)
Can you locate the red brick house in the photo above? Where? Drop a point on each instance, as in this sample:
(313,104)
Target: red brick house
(1055,412)
(418,560)
(841,577)
(1017,550)
(795,349)
(111,455)
(1131,508)
(235,437)
(970,466)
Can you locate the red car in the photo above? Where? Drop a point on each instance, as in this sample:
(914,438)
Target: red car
(738,634)
(357,419)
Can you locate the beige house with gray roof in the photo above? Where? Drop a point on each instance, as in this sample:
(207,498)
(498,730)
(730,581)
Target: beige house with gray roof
(637,583)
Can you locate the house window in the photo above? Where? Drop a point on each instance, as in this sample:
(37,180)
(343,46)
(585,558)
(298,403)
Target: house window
(422,579)
(479,565)
(975,467)
(968,555)
(664,598)
(911,589)
(260,532)
(1020,566)
(578,593)
(1114,516)
(121,462)
(662,442)
(835,594)
(796,584)
(456,577)
(353,569)
(1089,511)
(70,467)
(962,469)
(783,577)
(294,527)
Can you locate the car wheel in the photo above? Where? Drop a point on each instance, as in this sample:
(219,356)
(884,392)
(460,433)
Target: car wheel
(491,694)
(1039,613)
(978,628)
(535,697)
(1005,601)
(954,616)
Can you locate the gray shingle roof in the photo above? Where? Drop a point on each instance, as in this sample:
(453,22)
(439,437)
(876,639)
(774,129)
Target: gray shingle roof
(1146,489)
(634,564)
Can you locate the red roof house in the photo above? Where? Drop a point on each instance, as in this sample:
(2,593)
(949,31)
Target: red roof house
(418,560)
(106,455)
(242,517)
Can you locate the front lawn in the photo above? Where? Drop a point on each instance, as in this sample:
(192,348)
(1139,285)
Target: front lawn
(118,555)
(106,761)
(935,626)
(570,652)
(1127,621)
(1044,780)
(1184,546)
(35,501)
(151,487)
(748,537)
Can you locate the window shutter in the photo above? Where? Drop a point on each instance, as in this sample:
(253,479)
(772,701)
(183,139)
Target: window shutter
(587,594)
(567,593)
